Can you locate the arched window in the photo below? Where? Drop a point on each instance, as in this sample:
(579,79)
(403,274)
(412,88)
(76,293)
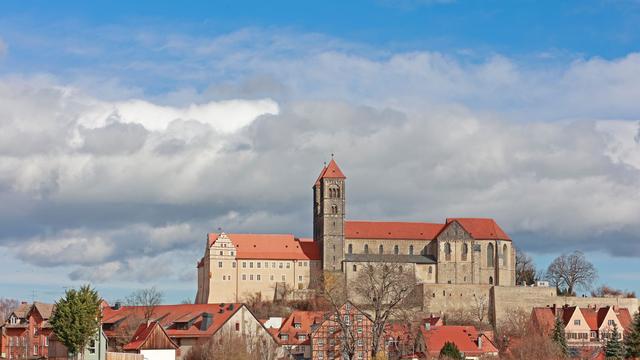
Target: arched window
(338,193)
(465,251)
(334,209)
(396,250)
(355,268)
(350,249)
(380,249)
(410,249)
(366,248)
(430,269)
(505,255)
(447,251)
(490,280)
(490,257)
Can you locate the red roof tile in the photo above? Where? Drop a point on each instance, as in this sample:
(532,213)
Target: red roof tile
(625,318)
(167,315)
(305,319)
(465,338)
(543,318)
(271,246)
(332,171)
(142,334)
(391,230)
(602,314)
(481,229)
(324,168)
(590,317)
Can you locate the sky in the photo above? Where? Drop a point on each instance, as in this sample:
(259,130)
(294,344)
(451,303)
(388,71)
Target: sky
(128,130)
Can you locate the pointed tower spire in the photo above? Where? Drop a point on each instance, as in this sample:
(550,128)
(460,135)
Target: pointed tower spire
(332,171)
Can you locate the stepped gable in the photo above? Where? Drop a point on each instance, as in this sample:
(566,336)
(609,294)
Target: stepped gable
(481,228)
(271,246)
(391,230)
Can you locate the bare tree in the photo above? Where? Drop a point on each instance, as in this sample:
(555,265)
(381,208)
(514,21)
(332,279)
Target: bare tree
(568,272)
(526,272)
(384,289)
(6,308)
(227,345)
(607,291)
(148,298)
(535,347)
(335,292)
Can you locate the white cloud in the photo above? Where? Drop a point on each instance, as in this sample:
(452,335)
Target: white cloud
(420,135)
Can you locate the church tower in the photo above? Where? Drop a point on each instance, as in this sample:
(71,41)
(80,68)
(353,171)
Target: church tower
(328,216)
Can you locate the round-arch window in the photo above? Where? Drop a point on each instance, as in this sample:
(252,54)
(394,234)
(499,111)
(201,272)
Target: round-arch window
(380,249)
(410,249)
(396,250)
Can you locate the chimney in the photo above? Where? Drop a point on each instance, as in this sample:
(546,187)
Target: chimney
(24,303)
(117,305)
(207,319)
(480,342)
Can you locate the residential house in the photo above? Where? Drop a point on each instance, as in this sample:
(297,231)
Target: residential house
(294,335)
(153,342)
(96,349)
(349,327)
(25,334)
(471,343)
(587,326)
(401,337)
(186,324)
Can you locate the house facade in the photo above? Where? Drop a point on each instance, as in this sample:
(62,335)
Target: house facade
(185,324)
(472,251)
(25,333)
(347,328)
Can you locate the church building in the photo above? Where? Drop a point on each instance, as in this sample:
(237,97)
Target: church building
(458,251)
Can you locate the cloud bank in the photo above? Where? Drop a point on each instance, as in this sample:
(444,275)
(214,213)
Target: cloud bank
(113,186)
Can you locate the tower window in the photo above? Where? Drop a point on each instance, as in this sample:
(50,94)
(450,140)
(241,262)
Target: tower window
(490,280)
(350,249)
(504,255)
(334,209)
(410,249)
(380,249)
(465,251)
(366,248)
(396,250)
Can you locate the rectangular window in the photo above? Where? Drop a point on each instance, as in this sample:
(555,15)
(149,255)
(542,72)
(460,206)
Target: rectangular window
(284,278)
(576,322)
(35,349)
(300,278)
(611,322)
(219,264)
(266,264)
(258,264)
(233,264)
(92,346)
(359,342)
(237,326)
(251,265)
(258,277)
(251,277)
(244,277)
(244,264)
(273,264)
(288,265)
(280,266)
(271,277)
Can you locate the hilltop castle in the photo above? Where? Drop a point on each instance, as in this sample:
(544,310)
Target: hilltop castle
(469,251)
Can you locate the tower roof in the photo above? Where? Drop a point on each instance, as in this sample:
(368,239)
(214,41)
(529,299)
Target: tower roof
(332,171)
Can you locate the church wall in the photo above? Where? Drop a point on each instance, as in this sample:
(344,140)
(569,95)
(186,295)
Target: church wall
(388,245)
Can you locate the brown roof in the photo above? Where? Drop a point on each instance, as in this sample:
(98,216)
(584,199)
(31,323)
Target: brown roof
(144,332)
(591,317)
(22,310)
(271,246)
(465,338)
(305,319)
(391,230)
(544,318)
(45,310)
(481,228)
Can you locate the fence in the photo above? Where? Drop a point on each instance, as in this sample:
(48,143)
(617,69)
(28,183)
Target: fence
(124,356)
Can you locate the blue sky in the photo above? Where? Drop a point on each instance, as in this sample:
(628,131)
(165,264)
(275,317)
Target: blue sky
(130,129)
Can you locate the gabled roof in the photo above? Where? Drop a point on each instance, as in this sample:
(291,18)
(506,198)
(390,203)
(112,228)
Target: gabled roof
(591,317)
(144,332)
(602,314)
(391,230)
(45,310)
(22,310)
(306,319)
(324,168)
(271,246)
(332,171)
(567,313)
(481,228)
(465,338)
(625,318)
(168,316)
(543,318)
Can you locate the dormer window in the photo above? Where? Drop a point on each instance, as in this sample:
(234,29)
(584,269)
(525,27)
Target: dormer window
(302,337)
(13,320)
(297,325)
(576,322)
(284,336)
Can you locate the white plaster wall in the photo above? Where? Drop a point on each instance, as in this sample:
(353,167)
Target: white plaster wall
(158,354)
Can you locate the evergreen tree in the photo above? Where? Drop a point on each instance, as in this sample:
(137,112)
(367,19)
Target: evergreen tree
(558,336)
(613,348)
(450,351)
(76,319)
(632,338)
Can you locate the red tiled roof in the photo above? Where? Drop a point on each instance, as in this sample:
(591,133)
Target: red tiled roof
(167,315)
(324,168)
(567,313)
(590,317)
(464,337)
(481,228)
(306,319)
(543,318)
(391,230)
(332,171)
(602,314)
(271,246)
(142,334)
(625,318)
